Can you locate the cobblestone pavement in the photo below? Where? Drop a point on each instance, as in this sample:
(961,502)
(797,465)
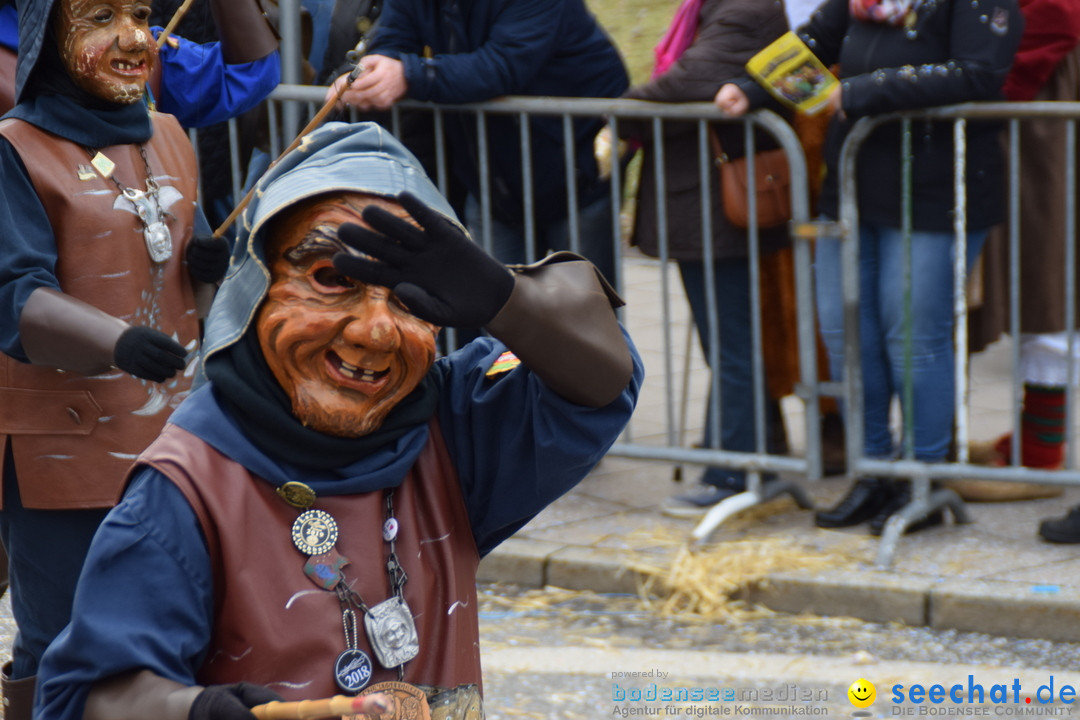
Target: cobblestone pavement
(567,656)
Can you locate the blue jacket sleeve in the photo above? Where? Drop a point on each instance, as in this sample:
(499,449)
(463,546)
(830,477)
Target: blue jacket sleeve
(200,88)
(518,446)
(144,600)
(29,255)
(519,43)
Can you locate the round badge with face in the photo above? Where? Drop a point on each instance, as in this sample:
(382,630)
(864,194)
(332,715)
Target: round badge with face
(107,46)
(344,352)
(314,532)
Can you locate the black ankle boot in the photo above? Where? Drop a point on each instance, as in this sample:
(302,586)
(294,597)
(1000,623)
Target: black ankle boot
(901,497)
(865,500)
(1062,530)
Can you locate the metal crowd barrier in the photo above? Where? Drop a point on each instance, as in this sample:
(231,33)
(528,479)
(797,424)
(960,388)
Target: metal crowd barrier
(927,498)
(657,435)
(642,440)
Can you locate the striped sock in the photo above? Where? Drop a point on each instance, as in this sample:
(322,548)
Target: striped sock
(1042,434)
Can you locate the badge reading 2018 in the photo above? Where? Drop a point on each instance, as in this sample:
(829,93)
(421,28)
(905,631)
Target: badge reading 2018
(314,532)
(352,670)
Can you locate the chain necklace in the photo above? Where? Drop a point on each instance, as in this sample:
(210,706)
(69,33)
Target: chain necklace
(389,625)
(147,204)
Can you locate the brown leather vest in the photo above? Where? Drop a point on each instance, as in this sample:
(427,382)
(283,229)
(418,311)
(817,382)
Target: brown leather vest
(74,437)
(272,625)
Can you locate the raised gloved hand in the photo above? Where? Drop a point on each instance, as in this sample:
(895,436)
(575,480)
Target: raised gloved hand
(148,354)
(230,702)
(208,258)
(441,275)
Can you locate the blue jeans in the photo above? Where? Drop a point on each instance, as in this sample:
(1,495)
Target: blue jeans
(595,234)
(46,550)
(737,423)
(881,327)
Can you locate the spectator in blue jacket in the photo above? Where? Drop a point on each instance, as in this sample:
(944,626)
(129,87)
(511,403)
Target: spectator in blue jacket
(200,83)
(476,50)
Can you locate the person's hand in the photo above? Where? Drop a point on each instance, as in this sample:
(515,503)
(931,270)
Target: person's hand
(208,258)
(379,86)
(334,91)
(148,354)
(731,100)
(441,275)
(230,702)
(836,102)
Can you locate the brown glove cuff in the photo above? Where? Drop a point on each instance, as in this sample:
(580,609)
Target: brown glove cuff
(559,322)
(139,695)
(246,35)
(61,331)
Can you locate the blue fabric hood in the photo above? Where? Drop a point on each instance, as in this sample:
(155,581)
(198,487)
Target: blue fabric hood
(34,16)
(356,157)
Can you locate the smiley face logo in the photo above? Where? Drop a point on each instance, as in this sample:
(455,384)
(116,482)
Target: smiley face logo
(862,693)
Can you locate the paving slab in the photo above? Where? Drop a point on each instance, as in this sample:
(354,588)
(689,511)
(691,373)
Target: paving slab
(873,596)
(1007,608)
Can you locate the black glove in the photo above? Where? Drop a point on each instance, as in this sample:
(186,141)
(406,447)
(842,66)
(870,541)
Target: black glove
(441,275)
(230,702)
(208,258)
(148,354)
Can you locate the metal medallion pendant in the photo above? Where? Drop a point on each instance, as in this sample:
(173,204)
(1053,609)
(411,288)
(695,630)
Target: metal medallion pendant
(156,233)
(408,702)
(314,532)
(391,632)
(297,494)
(352,670)
(158,241)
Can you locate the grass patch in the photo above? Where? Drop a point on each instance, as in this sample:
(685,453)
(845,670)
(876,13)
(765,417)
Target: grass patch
(635,26)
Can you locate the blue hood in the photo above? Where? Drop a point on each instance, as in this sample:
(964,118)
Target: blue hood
(34,16)
(356,157)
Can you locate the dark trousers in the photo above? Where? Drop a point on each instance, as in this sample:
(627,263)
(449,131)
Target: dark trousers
(46,550)
(737,417)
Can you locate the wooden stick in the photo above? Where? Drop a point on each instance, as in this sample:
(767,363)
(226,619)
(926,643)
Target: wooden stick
(315,122)
(176,18)
(326,708)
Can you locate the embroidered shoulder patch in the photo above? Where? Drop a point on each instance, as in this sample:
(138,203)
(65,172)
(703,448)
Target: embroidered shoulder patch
(999,21)
(503,364)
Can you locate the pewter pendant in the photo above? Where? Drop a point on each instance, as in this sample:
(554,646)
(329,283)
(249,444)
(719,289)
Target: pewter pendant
(155,232)
(391,632)
(352,670)
(158,241)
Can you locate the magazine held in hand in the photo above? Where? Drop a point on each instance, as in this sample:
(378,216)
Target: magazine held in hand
(793,74)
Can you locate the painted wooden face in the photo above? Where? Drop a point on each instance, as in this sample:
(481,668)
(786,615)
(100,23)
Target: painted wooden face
(344,352)
(107,46)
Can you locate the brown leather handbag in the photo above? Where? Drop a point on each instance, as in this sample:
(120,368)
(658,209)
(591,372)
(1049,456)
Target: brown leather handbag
(772,187)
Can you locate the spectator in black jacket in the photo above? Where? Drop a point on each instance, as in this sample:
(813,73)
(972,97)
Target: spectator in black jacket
(904,55)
